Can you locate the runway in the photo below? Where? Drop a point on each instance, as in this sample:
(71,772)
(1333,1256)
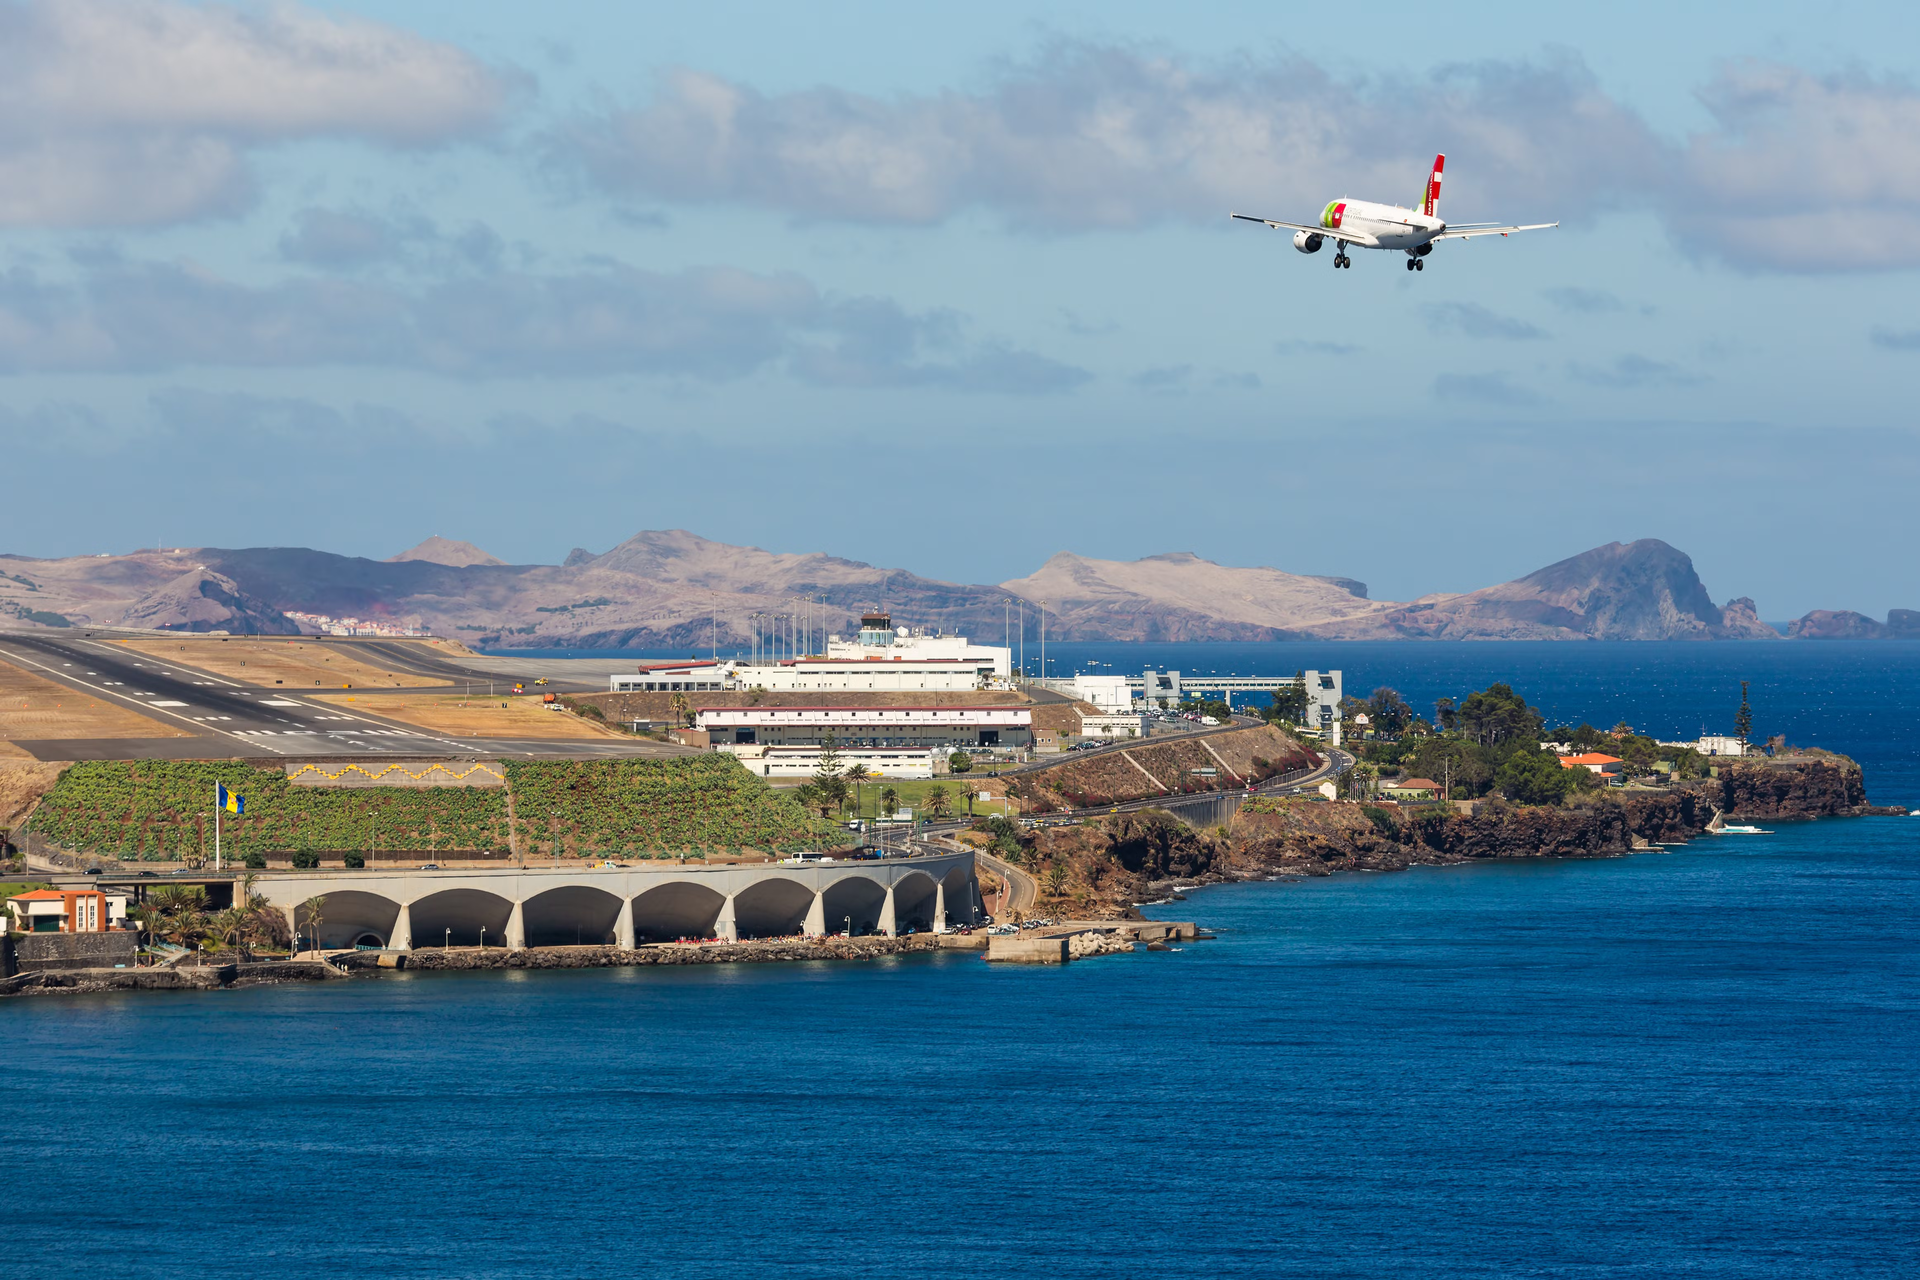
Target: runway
(228,718)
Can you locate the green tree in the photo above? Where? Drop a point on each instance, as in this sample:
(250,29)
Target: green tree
(936,802)
(1445,714)
(1289,705)
(829,781)
(889,801)
(1498,717)
(1535,777)
(1056,879)
(1388,711)
(1743,718)
(959,762)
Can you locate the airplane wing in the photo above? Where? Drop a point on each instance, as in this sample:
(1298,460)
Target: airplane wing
(1467,233)
(1344,237)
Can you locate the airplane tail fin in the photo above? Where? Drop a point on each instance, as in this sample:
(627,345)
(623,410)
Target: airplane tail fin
(1430,198)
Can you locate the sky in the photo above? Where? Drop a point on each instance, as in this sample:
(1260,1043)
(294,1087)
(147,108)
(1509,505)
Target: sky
(953,288)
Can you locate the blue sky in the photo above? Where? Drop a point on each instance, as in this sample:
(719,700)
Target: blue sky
(953,288)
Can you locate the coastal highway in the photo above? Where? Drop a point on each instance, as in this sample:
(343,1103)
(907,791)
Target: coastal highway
(229,718)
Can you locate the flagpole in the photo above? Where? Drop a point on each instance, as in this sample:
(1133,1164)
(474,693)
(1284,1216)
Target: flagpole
(217,806)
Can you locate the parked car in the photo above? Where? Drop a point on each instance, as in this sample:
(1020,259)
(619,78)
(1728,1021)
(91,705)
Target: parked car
(429,866)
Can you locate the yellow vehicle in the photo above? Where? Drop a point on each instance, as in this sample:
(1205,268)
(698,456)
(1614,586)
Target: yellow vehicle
(541,680)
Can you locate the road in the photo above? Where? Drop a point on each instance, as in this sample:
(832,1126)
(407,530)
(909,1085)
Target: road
(1025,889)
(229,718)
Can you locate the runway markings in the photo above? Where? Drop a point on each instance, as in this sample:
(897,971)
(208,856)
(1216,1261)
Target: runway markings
(166,704)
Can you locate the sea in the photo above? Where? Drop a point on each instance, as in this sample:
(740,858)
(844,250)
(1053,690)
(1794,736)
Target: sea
(1699,1062)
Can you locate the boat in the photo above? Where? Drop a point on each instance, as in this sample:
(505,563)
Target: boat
(1732,829)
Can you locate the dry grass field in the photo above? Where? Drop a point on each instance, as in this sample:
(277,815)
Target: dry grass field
(267,660)
(32,706)
(22,782)
(462,717)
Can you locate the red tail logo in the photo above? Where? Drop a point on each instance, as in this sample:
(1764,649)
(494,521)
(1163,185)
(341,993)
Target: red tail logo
(1431,200)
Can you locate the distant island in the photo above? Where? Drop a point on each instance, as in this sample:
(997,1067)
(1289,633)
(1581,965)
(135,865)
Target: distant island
(674,589)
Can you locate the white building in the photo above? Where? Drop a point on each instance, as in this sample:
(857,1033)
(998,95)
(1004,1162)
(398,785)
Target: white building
(879,638)
(941,728)
(1113,694)
(804,761)
(1713,745)
(810,675)
(1127,725)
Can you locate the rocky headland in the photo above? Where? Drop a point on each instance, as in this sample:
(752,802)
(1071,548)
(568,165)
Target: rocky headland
(1108,866)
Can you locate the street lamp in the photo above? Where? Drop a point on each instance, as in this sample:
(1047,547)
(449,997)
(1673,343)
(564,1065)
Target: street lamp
(849,920)
(446,943)
(483,937)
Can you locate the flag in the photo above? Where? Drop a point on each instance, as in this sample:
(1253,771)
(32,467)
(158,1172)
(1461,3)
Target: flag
(230,801)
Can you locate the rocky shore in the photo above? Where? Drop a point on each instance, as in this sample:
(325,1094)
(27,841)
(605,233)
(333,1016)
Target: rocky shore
(1143,857)
(215,977)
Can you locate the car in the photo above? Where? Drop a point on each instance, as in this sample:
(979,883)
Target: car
(146,873)
(429,866)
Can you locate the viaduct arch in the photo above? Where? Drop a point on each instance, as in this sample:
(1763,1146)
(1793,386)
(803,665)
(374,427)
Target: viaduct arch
(626,906)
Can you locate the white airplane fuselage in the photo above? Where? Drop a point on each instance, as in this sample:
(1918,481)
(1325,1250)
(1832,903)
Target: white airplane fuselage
(1387,226)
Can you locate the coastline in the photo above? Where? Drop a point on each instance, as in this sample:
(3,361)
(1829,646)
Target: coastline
(231,975)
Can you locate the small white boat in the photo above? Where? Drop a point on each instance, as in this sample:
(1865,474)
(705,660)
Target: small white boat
(1731,829)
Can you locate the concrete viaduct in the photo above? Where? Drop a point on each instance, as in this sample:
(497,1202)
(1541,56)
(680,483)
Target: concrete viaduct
(625,906)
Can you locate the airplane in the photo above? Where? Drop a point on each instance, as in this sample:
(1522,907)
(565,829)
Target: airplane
(1361,223)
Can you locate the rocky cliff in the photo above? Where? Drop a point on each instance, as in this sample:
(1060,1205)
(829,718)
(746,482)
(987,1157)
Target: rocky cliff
(1645,590)
(1131,858)
(1844,624)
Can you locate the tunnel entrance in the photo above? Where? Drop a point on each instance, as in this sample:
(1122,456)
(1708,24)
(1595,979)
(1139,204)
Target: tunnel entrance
(854,898)
(348,918)
(913,902)
(572,915)
(680,909)
(775,908)
(455,917)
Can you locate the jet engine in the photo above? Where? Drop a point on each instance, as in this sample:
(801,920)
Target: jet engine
(1423,250)
(1307,242)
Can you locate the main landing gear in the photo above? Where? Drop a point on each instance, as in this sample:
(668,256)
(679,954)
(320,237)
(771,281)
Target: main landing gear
(1341,259)
(1416,264)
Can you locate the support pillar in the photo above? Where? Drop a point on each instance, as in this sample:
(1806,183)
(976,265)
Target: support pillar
(940,906)
(293,925)
(516,930)
(725,927)
(887,925)
(623,927)
(975,902)
(402,938)
(816,925)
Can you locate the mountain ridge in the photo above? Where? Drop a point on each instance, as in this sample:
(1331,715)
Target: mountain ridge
(673,588)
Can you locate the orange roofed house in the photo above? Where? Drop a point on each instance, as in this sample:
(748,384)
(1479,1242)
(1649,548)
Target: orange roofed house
(1594,762)
(66,911)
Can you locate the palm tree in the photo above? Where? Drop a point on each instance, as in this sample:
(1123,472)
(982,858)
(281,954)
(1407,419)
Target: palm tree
(679,705)
(229,928)
(890,801)
(310,913)
(856,774)
(935,802)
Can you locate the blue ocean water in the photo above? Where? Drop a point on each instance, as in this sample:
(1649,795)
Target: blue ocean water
(1697,1063)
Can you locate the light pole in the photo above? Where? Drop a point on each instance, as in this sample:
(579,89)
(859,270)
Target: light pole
(483,937)
(447,943)
(849,920)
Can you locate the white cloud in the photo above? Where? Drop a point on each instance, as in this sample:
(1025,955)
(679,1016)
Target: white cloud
(1092,136)
(136,112)
(709,323)
(1100,136)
